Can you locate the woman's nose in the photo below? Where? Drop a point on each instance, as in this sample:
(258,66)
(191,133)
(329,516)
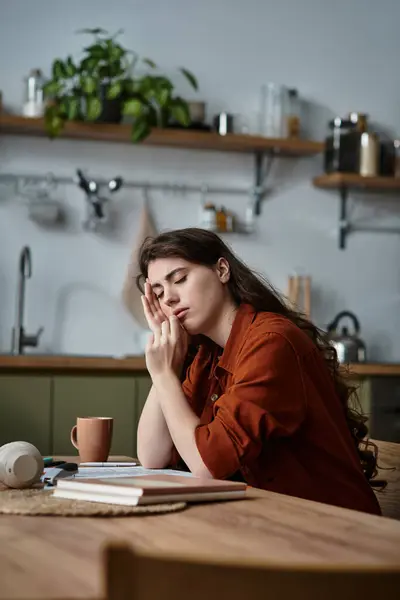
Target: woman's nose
(170,298)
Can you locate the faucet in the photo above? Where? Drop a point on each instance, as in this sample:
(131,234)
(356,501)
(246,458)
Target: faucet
(19,338)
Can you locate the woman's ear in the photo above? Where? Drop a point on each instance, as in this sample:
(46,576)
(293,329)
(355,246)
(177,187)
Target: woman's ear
(223,270)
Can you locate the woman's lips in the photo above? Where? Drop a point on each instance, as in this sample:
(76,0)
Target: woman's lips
(182,314)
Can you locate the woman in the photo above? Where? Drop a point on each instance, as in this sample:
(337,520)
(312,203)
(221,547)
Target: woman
(262,400)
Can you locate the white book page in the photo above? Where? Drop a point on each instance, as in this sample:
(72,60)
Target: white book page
(97,473)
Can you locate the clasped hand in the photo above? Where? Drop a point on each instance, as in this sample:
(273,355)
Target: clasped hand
(164,350)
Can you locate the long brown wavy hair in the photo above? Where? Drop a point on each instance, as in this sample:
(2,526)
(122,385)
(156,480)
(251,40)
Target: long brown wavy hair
(203,247)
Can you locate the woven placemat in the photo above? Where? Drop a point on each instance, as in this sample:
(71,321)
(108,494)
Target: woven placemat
(40,502)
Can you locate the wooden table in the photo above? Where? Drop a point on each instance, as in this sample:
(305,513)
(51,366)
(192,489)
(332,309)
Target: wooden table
(60,557)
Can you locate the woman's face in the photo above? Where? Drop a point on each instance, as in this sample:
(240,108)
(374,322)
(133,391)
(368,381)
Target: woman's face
(194,293)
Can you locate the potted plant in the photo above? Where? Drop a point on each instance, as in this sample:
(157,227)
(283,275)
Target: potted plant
(102,87)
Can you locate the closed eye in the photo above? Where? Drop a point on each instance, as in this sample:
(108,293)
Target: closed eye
(181,280)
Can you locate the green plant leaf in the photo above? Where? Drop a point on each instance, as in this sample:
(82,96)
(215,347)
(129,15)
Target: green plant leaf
(114,90)
(162,96)
(97,51)
(63,107)
(133,107)
(52,88)
(115,51)
(144,84)
(140,130)
(73,104)
(95,31)
(180,112)
(93,108)
(115,69)
(53,122)
(70,68)
(190,77)
(58,69)
(130,86)
(88,64)
(150,63)
(88,84)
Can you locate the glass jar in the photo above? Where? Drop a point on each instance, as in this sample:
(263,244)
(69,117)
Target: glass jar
(209,217)
(272,113)
(34,100)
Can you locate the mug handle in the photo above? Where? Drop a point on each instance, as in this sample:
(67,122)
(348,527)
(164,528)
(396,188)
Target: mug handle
(74,439)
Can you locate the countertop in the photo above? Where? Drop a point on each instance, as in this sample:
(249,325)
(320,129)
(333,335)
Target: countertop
(131,364)
(71,362)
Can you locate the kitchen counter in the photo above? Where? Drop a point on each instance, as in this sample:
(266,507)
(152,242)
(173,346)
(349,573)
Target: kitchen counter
(71,362)
(129,364)
(376,369)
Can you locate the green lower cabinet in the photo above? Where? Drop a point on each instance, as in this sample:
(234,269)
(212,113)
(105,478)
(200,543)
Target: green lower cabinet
(142,387)
(25,410)
(97,396)
(363,386)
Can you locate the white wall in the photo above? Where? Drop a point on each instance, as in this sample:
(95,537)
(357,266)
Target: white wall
(341,57)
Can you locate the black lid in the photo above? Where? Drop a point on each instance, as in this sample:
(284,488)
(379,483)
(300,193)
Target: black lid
(339,123)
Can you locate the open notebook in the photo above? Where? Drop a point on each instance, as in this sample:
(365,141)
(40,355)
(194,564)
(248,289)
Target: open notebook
(149,489)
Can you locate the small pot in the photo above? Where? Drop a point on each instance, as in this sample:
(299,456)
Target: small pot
(197,111)
(111,111)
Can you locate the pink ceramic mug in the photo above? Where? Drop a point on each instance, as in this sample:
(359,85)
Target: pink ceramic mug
(92,437)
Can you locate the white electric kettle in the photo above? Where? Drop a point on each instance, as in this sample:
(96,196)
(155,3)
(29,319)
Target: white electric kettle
(21,464)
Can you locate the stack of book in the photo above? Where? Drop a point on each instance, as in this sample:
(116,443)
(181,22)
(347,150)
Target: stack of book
(149,489)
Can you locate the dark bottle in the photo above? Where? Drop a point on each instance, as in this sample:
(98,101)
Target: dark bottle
(342,147)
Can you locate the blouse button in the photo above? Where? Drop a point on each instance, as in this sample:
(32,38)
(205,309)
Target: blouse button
(214,397)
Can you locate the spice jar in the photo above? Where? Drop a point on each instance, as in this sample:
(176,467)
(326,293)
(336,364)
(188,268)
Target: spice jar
(209,217)
(221,219)
(293,114)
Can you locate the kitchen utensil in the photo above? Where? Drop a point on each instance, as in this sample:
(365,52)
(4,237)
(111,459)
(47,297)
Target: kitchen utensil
(350,347)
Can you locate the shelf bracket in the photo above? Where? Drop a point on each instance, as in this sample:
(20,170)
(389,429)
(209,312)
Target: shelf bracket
(262,167)
(343,222)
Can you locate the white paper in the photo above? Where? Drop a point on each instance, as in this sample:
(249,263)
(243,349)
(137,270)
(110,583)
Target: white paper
(97,473)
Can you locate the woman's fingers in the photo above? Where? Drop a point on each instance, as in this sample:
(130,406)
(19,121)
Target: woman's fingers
(150,342)
(165,330)
(148,313)
(175,328)
(154,303)
(149,294)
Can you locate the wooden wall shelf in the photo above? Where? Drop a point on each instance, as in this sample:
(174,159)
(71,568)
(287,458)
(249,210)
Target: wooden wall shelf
(178,138)
(335,181)
(344,182)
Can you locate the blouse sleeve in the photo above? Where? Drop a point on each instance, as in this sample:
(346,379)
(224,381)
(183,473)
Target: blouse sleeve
(266,399)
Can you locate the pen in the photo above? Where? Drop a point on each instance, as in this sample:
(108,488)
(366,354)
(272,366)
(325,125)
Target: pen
(108,464)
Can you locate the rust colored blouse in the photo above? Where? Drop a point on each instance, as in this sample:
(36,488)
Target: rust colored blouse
(270,415)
